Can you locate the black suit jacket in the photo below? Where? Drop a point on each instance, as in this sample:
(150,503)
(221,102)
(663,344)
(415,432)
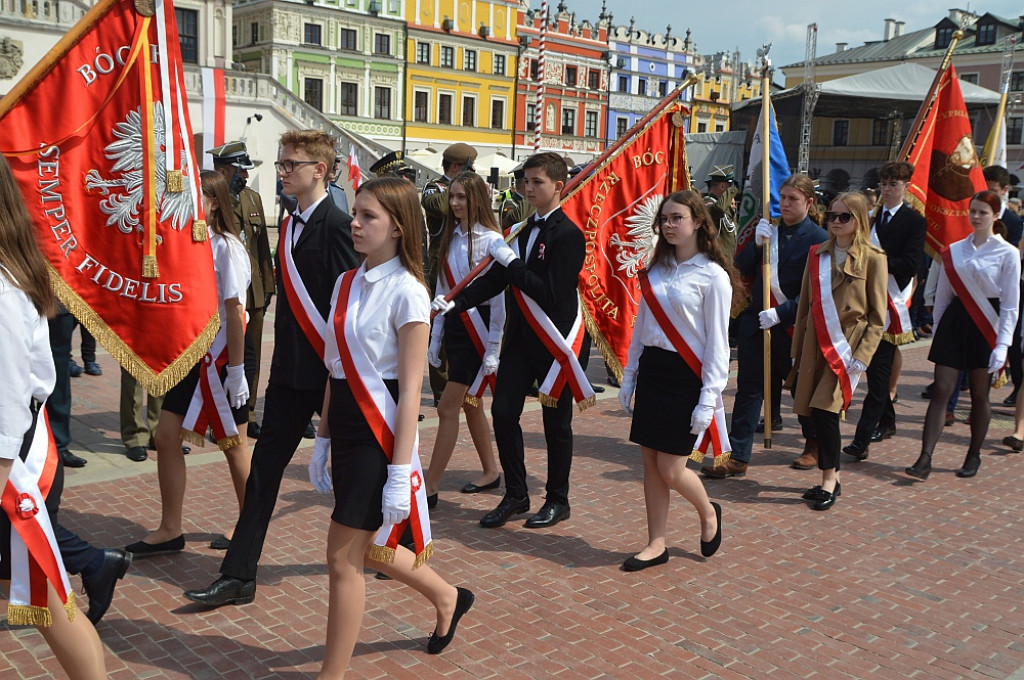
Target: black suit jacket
(549,274)
(792,260)
(1014,226)
(903,242)
(322,253)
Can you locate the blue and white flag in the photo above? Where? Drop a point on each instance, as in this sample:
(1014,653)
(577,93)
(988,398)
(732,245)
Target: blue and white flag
(750,210)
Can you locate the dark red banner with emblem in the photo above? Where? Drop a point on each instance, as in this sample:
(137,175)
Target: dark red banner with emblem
(616,207)
(99,138)
(946,167)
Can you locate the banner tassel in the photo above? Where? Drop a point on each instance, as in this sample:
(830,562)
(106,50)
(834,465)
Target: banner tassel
(150,269)
(198,231)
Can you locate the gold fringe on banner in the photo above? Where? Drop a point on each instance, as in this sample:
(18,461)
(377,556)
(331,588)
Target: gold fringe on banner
(547,400)
(602,344)
(587,403)
(40,617)
(199,231)
(150,269)
(471,401)
(193,437)
(175,182)
(698,457)
(229,442)
(381,553)
(900,338)
(421,559)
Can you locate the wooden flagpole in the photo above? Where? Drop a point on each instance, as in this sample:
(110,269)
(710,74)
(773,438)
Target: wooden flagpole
(929,100)
(766,266)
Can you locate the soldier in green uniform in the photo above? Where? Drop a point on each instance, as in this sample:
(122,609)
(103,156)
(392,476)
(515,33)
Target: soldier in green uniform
(721,201)
(232,161)
(514,208)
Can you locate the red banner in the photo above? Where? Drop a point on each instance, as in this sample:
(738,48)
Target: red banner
(99,138)
(616,207)
(946,167)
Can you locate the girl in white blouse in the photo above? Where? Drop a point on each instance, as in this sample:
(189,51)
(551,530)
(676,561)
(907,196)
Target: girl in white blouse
(975,313)
(700,284)
(391,331)
(469,231)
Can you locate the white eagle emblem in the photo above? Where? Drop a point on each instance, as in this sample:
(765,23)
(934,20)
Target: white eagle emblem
(632,255)
(122,207)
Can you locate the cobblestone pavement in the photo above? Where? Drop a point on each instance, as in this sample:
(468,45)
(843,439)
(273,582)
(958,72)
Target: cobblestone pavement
(899,579)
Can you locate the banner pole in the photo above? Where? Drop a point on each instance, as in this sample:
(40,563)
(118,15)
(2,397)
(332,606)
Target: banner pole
(766,267)
(929,100)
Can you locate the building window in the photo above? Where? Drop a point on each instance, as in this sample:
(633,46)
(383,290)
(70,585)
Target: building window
(1014,130)
(447,57)
(662,88)
(381,43)
(840,132)
(420,106)
(641,86)
(188,36)
(702,127)
(623,83)
(986,34)
(1017,81)
(594,79)
(349,99)
(313,93)
(621,125)
(971,78)
(469,111)
(719,127)
(348,39)
(311,34)
(469,60)
(568,122)
(943,36)
(497,114)
(534,69)
(444,109)
(499,64)
(254,33)
(422,53)
(879,133)
(382,103)
(531,117)
(590,124)
(234,36)
(570,76)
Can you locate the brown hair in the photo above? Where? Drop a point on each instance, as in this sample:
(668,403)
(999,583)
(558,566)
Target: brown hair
(478,211)
(550,163)
(800,182)
(901,171)
(707,239)
(26,268)
(222,221)
(401,201)
(319,146)
(992,200)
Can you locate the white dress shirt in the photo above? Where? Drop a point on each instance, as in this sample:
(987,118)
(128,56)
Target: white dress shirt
(304,216)
(26,368)
(700,293)
(461,266)
(233,269)
(995,269)
(391,298)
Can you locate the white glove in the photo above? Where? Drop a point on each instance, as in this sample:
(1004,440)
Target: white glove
(768,318)
(441,306)
(238,389)
(856,366)
(397,501)
(501,253)
(319,477)
(490,364)
(434,352)
(762,232)
(701,417)
(998,359)
(626,392)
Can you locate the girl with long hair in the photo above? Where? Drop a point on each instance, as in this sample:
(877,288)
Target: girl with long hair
(376,341)
(690,285)
(471,340)
(220,381)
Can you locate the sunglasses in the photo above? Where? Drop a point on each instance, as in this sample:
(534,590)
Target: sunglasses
(841,218)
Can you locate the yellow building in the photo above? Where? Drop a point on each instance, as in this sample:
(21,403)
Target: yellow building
(460,76)
(724,80)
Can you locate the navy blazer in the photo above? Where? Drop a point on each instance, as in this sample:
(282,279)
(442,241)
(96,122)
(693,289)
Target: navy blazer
(792,260)
(903,242)
(1014,226)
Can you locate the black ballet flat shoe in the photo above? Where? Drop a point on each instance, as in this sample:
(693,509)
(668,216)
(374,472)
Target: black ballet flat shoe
(971,464)
(1014,443)
(709,548)
(921,468)
(815,493)
(143,549)
(634,564)
(222,542)
(473,488)
(432,501)
(437,643)
(826,501)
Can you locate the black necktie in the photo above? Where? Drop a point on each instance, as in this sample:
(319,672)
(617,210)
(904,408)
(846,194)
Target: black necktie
(884,219)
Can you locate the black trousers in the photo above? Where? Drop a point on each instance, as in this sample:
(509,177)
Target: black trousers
(878,410)
(58,405)
(826,427)
(285,416)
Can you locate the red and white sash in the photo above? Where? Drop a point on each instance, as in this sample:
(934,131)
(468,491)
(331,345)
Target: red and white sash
(566,367)
(35,557)
(974,301)
(210,408)
(898,329)
(652,287)
(478,332)
(313,326)
(379,408)
(834,345)
(774,288)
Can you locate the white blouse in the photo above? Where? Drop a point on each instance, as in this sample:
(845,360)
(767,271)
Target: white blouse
(391,298)
(26,368)
(700,293)
(461,267)
(233,269)
(995,269)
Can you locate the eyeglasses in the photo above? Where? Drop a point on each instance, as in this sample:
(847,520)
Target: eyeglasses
(890,185)
(288,167)
(841,218)
(672,220)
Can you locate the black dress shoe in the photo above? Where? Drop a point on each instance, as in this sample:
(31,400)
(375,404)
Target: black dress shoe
(220,543)
(506,508)
(432,500)
(1014,443)
(1010,400)
(99,585)
(927,392)
(137,453)
(634,564)
(857,450)
(310,432)
(776,425)
(826,501)
(598,389)
(971,464)
(253,431)
(816,494)
(143,549)
(71,460)
(922,467)
(613,381)
(225,590)
(473,488)
(709,548)
(550,514)
(437,643)
(883,432)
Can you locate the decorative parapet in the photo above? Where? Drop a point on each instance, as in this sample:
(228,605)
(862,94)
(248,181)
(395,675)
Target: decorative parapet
(633,103)
(60,14)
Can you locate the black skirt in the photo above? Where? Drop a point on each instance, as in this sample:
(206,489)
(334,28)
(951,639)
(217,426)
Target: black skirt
(463,359)
(667,391)
(957,342)
(179,397)
(359,467)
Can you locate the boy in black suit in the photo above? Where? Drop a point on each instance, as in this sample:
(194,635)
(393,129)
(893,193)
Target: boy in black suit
(316,245)
(552,248)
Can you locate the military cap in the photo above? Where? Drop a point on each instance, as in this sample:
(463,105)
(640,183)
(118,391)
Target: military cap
(722,173)
(232,153)
(459,153)
(518,172)
(389,162)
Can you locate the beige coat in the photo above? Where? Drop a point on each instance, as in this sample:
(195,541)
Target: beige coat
(860,297)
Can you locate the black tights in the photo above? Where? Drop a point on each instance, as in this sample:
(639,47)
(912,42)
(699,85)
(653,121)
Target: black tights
(947,379)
